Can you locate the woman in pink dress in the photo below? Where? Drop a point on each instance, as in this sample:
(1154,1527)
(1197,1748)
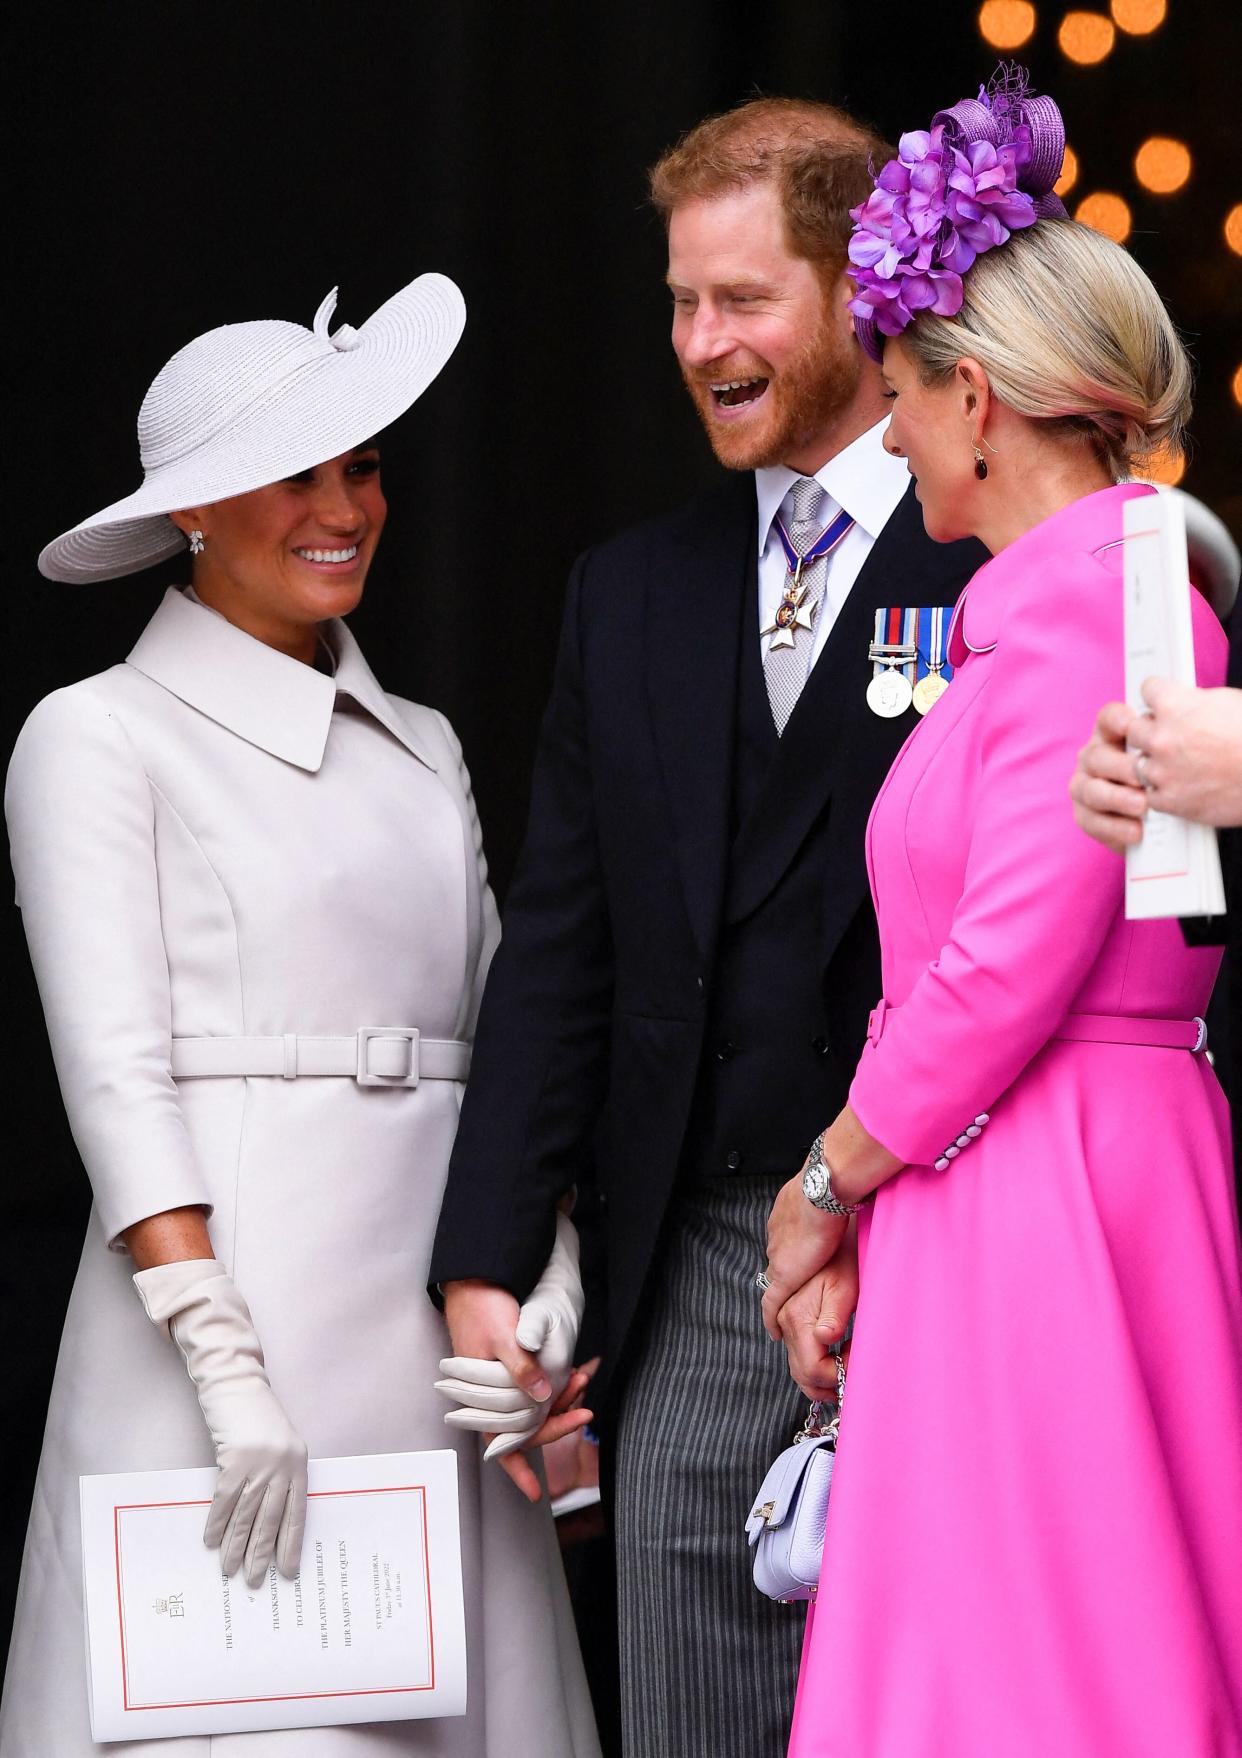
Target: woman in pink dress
(1034,1544)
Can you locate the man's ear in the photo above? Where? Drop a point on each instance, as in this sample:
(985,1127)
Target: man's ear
(843,290)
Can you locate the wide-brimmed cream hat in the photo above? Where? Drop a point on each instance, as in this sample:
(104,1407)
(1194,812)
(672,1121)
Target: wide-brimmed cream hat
(251,403)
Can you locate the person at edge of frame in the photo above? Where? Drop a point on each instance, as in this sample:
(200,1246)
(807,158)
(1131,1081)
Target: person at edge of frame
(689,953)
(1188,747)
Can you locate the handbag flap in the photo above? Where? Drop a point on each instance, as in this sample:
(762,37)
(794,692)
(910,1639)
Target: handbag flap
(779,1490)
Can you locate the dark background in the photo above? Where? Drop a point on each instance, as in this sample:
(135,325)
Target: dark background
(176,166)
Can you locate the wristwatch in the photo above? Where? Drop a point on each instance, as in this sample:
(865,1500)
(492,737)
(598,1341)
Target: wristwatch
(817,1184)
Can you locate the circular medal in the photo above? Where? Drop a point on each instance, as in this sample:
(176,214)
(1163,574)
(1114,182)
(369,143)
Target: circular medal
(889,693)
(928,690)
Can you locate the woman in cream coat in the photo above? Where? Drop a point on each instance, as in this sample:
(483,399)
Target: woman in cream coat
(236,856)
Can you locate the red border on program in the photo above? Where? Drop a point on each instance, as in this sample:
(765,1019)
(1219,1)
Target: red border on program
(120,1508)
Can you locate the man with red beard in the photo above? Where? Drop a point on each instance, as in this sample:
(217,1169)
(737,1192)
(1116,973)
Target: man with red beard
(689,953)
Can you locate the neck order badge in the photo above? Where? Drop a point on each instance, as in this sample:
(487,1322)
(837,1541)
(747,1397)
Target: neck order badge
(792,613)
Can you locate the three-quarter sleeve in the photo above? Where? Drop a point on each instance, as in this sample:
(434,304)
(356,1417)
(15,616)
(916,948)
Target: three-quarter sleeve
(1038,895)
(82,834)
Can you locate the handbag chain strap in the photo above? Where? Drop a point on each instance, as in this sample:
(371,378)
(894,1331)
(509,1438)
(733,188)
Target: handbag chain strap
(813,1427)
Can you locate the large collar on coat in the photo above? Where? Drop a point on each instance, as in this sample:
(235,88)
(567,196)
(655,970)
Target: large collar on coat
(263,696)
(1084,527)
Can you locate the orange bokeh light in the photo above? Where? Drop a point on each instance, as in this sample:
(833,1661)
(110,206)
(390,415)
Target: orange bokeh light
(1233,228)
(1069,172)
(1237,385)
(1086,37)
(1139,16)
(1006,24)
(1160,467)
(1162,165)
(1107,213)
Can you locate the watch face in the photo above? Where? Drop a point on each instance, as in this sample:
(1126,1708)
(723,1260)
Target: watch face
(815,1182)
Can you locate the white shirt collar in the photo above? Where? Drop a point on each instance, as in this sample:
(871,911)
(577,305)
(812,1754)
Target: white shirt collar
(255,691)
(863,478)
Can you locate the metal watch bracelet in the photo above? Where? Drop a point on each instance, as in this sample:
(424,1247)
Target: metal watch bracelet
(818,1190)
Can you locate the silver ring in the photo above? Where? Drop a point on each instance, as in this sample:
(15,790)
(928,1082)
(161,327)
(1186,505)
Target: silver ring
(763,1281)
(1140,770)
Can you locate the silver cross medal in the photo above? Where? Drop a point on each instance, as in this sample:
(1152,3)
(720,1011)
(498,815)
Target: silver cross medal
(792,613)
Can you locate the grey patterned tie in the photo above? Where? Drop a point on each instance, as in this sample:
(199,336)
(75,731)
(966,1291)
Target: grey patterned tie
(785,669)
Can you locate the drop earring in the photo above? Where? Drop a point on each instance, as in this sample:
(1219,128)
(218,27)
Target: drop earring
(197,545)
(981,463)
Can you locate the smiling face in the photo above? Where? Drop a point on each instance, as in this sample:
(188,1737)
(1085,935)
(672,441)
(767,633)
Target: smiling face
(286,557)
(766,349)
(932,427)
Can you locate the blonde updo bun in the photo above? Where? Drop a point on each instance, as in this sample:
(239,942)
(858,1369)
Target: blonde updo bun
(1070,330)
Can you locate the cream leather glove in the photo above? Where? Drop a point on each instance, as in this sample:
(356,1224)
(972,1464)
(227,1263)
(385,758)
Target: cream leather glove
(259,1508)
(547,1325)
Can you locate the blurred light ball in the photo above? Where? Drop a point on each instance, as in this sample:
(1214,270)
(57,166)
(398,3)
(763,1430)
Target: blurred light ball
(1069,172)
(1233,228)
(1162,165)
(1237,386)
(1160,467)
(1139,16)
(1006,24)
(1107,213)
(1086,37)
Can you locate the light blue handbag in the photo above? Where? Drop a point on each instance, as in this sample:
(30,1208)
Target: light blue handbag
(786,1525)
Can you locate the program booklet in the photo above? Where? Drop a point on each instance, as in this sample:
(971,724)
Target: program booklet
(372,1628)
(1175,870)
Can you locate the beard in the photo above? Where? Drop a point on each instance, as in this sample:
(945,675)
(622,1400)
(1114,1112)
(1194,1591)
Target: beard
(802,401)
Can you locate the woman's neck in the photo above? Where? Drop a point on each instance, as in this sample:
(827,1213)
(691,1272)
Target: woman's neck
(1024,491)
(298,640)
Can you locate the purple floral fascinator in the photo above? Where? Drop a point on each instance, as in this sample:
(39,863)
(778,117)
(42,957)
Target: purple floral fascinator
(984,169)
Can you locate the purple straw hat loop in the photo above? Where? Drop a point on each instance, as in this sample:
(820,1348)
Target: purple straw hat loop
(971,118)
(1047,146)
(985,169)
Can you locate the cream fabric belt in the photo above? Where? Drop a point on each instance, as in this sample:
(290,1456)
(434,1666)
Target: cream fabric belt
(376,1056)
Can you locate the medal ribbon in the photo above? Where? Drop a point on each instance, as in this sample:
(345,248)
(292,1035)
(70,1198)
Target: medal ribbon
(824,544)
(931,642)
(896,627)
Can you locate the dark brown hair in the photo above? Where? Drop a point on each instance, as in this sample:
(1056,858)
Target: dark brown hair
(817,156)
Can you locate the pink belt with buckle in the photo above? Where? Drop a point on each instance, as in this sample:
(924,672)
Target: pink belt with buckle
(1098,1028)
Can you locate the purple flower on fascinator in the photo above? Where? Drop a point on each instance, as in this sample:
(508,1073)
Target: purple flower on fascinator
(984,170)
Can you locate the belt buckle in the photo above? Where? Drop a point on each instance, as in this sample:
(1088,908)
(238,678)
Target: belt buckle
(363,1074)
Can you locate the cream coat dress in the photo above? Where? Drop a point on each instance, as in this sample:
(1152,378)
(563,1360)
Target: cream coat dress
(214,839)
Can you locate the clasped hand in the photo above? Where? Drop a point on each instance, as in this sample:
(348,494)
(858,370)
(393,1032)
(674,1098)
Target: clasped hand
(812,1289)
(512,1376)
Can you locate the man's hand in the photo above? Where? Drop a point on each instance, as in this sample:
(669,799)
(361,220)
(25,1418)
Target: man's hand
(1109,803)
(482,1321)
(565,1416)
(801,1240)
(813,1322)
(1188,751)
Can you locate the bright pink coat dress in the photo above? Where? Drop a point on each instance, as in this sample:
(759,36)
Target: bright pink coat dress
(1034,1543)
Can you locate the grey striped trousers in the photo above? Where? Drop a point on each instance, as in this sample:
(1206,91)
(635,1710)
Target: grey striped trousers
(708,1665)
